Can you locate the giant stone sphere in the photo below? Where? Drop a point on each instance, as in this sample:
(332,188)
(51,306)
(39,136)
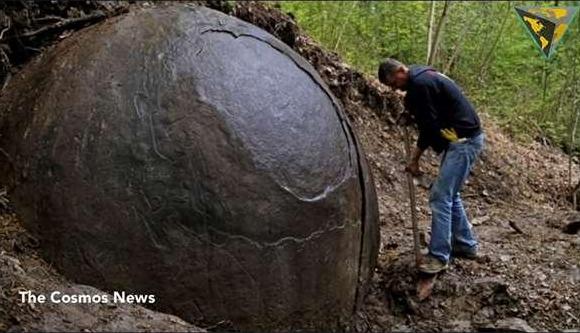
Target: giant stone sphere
(181,152)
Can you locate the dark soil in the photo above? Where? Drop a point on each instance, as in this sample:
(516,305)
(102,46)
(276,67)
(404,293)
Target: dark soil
(26,27)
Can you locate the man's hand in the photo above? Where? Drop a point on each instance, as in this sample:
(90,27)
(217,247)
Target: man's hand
(449,134)
(413,168)
(404,119)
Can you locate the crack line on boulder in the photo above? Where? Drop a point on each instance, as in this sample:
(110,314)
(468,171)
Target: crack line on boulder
(277,243)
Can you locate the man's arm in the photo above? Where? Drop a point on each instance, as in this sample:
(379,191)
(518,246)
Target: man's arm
(427,121)
(426,115)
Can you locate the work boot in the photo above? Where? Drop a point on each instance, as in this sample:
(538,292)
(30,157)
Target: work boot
(464,252)
(432,265)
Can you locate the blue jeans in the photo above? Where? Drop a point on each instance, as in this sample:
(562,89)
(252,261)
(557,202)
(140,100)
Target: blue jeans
(449,225)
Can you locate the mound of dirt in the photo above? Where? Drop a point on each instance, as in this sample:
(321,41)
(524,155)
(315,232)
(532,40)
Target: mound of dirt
(526,279)
(26,27)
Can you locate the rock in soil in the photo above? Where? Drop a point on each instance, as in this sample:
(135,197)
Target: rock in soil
(509,325)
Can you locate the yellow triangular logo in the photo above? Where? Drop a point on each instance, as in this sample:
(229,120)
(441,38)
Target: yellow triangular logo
(546,25)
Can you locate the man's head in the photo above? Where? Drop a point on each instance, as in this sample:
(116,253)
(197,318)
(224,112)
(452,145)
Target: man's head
(393,73)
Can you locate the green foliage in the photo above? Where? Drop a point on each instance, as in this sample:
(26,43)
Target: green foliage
(495,60)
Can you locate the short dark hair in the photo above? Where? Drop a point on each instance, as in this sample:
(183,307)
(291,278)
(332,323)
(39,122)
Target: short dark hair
(387,68)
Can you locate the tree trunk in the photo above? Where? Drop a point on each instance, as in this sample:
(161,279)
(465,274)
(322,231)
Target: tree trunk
(344,25)
(572,143)
(574,128)
(496,41)
(430,32)
(437,35)
(457,48)
(545,75)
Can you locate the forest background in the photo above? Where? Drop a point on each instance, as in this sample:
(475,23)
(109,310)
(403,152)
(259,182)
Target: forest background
(482,45)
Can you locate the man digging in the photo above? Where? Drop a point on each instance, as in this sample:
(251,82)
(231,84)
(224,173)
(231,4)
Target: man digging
(447,123)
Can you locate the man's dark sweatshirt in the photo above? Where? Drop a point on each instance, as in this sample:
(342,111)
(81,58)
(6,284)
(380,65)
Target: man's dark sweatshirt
(436,102)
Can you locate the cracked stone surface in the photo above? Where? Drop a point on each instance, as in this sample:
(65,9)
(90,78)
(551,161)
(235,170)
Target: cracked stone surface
(182,152)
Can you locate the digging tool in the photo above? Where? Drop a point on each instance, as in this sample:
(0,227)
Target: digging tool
(426,282)
(412,200)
